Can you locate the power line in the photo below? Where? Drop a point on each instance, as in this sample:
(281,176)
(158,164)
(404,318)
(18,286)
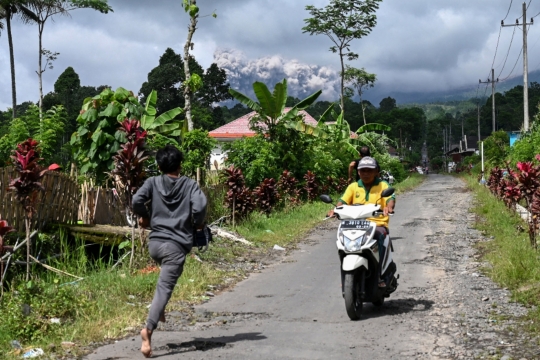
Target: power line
(496,48)
(511,72)
(508,12)
(508,52)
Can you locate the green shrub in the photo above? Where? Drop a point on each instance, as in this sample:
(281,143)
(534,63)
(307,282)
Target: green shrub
(256,157)
(27,311)
(196,146)
(496,148)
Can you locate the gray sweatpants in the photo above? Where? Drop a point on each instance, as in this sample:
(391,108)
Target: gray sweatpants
(171,257)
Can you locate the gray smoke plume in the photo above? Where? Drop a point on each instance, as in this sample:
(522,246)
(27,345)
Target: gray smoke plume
(302,79)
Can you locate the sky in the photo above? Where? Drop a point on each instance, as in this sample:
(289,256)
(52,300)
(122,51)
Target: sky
(417,45)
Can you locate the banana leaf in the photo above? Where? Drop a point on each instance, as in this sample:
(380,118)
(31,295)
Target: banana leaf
(308,101)
(166,117)
(280,98)
(301,126)
(373,127)
(265,98)
(149,110)
(243,99)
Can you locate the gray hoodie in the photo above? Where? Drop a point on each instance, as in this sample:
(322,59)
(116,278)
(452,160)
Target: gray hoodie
(177,206)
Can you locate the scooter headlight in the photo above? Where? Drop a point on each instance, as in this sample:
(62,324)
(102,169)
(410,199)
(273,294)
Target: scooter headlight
(353,245)
(353,240)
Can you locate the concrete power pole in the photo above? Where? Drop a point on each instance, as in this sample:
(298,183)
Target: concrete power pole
(478,110)
(492,82)
(525,66)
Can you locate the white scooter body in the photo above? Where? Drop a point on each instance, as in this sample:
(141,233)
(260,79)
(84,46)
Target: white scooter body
(356,235)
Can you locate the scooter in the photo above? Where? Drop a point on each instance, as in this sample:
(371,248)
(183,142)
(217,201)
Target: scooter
(359,254)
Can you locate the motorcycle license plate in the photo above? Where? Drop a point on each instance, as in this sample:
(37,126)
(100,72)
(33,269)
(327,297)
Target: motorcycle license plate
(355,224)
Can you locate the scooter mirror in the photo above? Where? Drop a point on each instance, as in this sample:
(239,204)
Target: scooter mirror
(387,192)
(326,199)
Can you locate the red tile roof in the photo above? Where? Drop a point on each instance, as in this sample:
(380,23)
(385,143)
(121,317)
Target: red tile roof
(240,127)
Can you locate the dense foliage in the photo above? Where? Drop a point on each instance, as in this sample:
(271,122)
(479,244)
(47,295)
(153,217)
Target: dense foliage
(196,146)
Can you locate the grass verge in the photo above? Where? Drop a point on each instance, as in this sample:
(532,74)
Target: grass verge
(411,182)
(515,265)
(109,304)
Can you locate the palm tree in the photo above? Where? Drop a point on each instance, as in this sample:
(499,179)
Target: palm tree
(8,8)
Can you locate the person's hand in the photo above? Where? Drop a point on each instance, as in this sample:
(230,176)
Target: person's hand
(144,222)
(387,210)
(330,213)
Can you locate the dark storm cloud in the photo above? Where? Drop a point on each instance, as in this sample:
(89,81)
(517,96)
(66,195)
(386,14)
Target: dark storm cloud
(417,44)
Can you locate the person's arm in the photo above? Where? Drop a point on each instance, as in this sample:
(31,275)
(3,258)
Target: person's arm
(351,169)
(389,208)
(198,206)
(141,197)
(139,203)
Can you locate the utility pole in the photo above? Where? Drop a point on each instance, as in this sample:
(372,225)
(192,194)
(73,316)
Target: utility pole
(525,66)
(450,137)
(492,82)
(478,109)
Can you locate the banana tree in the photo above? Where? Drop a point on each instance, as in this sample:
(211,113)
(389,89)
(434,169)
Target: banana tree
(340,131)
(165,124)
(271,107)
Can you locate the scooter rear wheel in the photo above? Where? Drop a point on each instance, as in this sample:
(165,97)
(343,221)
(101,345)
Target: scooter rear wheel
(353,302)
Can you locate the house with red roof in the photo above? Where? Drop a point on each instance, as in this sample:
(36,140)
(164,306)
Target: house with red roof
(239,128)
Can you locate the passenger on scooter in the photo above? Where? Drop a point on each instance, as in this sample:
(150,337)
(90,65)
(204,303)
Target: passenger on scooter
(353,166)
(368,190)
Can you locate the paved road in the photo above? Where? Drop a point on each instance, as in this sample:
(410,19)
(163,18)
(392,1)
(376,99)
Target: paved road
(294,309)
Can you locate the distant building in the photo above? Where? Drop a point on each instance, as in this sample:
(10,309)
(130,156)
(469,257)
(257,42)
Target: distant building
(514,136)
(466,147)
(238,129)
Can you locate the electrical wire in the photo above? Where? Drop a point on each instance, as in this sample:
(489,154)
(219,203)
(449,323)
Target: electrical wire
(508,12)
(496,48)
(508,52)
(511,72)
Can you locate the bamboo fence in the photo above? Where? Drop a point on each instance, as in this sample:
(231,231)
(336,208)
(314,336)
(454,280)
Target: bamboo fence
(65,202)
(58,202)
(102,206)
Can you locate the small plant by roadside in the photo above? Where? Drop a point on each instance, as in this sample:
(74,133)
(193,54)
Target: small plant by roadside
(266,195)
(511,186)
(26,162)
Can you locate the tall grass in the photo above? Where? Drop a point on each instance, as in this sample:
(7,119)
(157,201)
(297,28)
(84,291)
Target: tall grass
(515,265)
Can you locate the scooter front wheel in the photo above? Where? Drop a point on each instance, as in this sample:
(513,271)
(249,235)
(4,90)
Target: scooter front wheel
(353,302)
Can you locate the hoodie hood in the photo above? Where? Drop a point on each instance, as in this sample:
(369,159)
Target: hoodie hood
(170,189)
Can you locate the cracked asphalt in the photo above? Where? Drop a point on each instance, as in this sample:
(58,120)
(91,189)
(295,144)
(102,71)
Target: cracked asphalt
(444,307)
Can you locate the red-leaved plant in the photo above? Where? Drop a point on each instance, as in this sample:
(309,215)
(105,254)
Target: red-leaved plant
(266,195)
(4,230)
(288,186)
(238,198)
(26,162)
(129,173)
(311,186)
(341,185)
(328,186)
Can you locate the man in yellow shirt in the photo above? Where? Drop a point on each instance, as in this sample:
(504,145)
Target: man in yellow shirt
(368,190)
